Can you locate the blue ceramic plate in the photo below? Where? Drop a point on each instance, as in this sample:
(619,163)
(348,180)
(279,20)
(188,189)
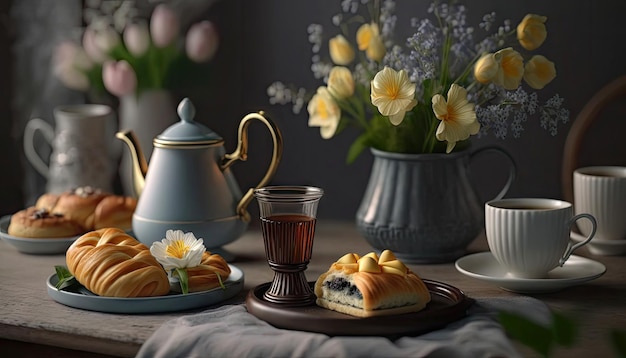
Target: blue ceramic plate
(38,246)
(171,303)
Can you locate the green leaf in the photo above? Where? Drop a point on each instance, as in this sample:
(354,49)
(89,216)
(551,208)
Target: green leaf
(357,148)
(219,278)
(183,279)
(564,329)
(66,279)
(618,338)
(527,332)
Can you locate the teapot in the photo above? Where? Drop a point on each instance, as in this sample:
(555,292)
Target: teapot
(188,185)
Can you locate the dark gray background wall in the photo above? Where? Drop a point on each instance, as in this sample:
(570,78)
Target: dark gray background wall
(264,41)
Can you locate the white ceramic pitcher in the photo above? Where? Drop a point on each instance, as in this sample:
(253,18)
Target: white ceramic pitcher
(81,147)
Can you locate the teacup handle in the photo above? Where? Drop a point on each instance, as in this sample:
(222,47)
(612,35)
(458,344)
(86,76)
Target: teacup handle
(241,153)
(512,167)
(34,125)
(570,247)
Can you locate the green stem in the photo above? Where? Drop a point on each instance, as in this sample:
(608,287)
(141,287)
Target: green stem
(183,279)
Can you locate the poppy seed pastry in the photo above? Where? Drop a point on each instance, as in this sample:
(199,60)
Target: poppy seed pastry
(40,223)
(371,286)
(111,263)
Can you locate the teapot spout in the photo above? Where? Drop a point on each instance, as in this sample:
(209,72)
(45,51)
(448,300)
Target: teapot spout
(138,161)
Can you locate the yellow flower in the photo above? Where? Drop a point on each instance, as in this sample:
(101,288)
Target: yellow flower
(531,32)
(486,68)
(458,119)
(368,39)
(393,94)
(324,113)
(376,50)
(511,68)
(340,82)
(341,51)
(364,34)
(539,71)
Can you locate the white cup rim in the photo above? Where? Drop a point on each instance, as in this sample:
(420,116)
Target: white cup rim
(603,171)
(521,204)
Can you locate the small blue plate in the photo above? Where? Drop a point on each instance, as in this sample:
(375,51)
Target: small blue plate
(158,304)
(36,246)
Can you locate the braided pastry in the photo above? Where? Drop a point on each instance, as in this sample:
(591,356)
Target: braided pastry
(108,262)
(204,276)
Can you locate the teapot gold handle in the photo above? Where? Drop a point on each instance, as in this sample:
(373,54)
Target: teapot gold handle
(241,153)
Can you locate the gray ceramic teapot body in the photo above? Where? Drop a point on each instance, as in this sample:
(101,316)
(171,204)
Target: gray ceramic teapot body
(188,185)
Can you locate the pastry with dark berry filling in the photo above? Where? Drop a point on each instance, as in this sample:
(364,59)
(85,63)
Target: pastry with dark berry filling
(371,286)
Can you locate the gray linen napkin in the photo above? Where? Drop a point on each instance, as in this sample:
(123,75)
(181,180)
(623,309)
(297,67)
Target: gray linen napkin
(230,331)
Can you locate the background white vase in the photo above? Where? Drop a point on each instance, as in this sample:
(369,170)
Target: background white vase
(147,115)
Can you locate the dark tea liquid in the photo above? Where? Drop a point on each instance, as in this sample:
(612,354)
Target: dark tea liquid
(288,238)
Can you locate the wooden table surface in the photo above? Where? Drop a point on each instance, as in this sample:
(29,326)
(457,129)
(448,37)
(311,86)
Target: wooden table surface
(31,322)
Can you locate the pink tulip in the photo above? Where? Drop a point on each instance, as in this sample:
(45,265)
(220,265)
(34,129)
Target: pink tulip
(69,62)
(202,41)
(137,38)
(98,41)
(164,26)
(119,78)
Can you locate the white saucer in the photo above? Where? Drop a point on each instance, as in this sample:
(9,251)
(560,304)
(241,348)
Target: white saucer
(485,267)
(602,247)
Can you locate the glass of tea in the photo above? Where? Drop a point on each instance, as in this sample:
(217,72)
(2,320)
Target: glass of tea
(288,218)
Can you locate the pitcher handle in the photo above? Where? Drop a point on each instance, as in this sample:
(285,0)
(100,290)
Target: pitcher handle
(34,125)
(241,153)
(512,167)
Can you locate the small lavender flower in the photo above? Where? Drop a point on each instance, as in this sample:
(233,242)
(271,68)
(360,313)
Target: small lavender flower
(488,21)
(315,37)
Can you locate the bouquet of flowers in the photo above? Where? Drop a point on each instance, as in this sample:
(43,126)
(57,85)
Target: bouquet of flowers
(434,91)
(141,56)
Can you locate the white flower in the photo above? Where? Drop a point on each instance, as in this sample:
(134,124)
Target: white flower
(178,250)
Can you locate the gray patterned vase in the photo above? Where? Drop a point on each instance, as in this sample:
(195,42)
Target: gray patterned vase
(423,207)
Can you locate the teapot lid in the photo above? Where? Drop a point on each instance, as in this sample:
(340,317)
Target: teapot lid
(187,131)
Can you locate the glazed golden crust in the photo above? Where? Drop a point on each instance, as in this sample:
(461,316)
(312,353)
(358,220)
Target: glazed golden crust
(110,263)
(85,207)
(380,290)
(36,223)
(80,206)
(115,211)
(47,201)
(387,288)
(204,276)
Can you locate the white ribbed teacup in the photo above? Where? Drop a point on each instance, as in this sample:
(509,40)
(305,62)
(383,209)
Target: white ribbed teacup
(601,192)
(531,236)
